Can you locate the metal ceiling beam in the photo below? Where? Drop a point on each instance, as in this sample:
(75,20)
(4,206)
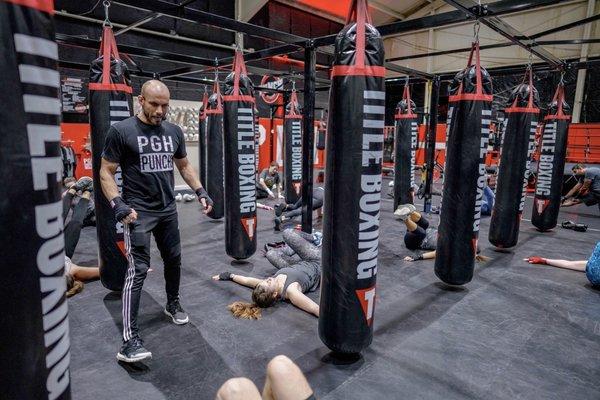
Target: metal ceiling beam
(489,19)
(565,26)
(202,17)
(134,51)
(138,23)
(501,7)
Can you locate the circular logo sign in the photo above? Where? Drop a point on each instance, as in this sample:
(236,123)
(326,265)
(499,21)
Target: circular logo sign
(272,83)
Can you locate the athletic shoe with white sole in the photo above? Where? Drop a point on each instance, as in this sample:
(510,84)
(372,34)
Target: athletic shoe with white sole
(133,351)
(178,197)
(189,197)
(404,210)
(174,310)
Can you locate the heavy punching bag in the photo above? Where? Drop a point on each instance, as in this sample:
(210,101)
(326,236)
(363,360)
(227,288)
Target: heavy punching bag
(548,187)
(292,144)
(214,152)
(518,145)
(353,185)
(110,102)
(405,148)
(34,325)
(240,167)
(468,125)
(202,128)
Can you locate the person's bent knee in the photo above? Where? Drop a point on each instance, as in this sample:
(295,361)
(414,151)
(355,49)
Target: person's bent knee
(280,367)
(238,388)
(288,234)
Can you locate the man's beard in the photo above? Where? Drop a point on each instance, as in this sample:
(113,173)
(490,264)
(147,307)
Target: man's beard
(152,120)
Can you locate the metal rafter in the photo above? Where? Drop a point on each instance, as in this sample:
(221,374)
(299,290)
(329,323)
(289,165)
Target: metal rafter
(487,18)
(202,17)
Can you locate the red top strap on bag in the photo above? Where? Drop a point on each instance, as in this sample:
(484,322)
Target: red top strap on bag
(409,111)
(359,12)
(217,90)
(530,107)
(108,49)
(478,95)
(239,68)
(292,114)
(559,98)
(204,106)
(46,6)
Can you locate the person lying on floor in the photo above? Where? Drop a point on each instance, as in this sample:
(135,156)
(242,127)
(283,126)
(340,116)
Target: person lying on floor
(75,211)
(299,272)
(284,381)
(286,212)
(419,235)
(591,266)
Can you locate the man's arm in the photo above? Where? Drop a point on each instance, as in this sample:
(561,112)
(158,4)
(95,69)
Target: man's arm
(123,212)
(586,186)
(189,175)
(573,190)
(300,300)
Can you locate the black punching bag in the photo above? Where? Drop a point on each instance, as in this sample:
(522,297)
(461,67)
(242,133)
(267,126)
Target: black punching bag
(214,152)
(202,128)
(518,145)
(353,185)
(110,102)
(240,167)
(405,148)
(468,126)
(34,326)
(292,145)
(548,187)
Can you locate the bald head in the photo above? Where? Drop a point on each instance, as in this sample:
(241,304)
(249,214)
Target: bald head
(154,102)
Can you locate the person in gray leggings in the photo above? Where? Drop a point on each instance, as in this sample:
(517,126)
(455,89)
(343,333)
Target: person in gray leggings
(299,272)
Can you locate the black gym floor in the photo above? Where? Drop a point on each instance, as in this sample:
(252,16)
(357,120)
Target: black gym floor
(516,331)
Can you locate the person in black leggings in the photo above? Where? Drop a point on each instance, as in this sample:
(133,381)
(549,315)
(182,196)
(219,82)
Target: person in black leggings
(75,220)
(285,212)
(299,272)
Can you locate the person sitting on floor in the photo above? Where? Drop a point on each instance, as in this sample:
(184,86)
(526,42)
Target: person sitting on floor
(586,192)
(284,381)
(286,212)
(269,180)
(294,277)
(591,266)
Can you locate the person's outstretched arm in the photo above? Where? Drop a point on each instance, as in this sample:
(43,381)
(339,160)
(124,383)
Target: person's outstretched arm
(566,264)
(239,279)
(425,256)
(300,300)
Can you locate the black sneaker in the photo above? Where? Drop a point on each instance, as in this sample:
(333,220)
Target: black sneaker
(279,209)
(277,221)
(174,310)
(133,351)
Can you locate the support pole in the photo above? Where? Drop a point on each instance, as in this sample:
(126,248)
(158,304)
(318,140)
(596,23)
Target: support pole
(308,135)
(581,74)
(430,143)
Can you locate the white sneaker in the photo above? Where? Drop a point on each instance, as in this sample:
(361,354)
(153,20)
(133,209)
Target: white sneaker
(404,210)
(188,197)
(178,197)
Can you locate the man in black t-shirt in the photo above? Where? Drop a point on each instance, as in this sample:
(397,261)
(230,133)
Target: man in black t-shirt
(269,180)
(146,148)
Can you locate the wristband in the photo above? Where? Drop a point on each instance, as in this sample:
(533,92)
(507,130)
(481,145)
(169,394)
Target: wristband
(419,257)
(121,209)
(202,194)
(537,260)
(225,276)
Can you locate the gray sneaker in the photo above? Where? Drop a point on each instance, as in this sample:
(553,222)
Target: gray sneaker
(404,210)
(175,311)
(133,351)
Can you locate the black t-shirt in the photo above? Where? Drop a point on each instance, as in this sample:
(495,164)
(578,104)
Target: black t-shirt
(270,180)
(145,154)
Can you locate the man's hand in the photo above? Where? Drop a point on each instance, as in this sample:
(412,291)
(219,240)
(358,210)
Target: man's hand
(123,213)
(205,200)
(271,194)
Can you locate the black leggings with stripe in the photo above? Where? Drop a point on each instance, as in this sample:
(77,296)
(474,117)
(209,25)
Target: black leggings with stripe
(165,229)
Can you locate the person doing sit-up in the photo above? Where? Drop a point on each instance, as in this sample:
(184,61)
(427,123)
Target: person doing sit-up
(294,277)
(286,212)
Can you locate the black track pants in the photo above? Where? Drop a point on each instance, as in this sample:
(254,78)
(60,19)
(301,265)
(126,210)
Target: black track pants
(165,229)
